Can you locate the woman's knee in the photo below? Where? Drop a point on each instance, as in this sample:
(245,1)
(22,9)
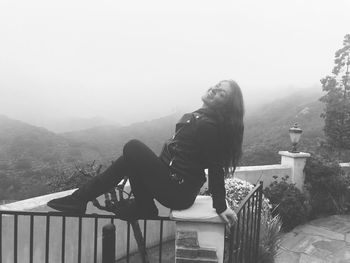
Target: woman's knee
(131,147)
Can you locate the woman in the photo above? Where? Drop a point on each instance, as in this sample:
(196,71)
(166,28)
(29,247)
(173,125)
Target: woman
(209,138)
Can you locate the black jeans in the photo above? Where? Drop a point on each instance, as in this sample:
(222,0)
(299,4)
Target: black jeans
(149,178)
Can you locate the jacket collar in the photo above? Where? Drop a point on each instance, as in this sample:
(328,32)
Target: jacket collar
(210,113)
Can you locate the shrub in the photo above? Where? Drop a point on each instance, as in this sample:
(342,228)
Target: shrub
(327,186)
(287,201)
(270,238)
(236,191)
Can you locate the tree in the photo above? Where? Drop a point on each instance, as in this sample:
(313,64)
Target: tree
(337,101)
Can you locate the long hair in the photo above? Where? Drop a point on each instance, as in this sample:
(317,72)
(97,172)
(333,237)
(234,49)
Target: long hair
(232,127)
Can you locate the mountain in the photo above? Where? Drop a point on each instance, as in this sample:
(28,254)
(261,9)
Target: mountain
(35,161)
(31,156)
(22,141)
(266,129)
(109,140)
(74,124)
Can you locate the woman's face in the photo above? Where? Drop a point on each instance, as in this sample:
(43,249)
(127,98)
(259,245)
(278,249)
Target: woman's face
(218,95)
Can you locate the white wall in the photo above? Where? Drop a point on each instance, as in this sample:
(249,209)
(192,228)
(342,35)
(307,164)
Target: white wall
(265,173)
(71,247)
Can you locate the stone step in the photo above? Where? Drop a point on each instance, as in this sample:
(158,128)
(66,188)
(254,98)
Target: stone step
(185,252)
(195,260)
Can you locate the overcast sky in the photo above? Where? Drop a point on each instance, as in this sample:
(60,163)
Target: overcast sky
(135,60)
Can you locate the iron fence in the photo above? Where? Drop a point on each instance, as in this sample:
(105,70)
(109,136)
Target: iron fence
(243,239)
(242,244)
(44,219)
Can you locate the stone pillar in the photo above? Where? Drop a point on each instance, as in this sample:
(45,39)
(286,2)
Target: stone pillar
(200,233)
(297,163)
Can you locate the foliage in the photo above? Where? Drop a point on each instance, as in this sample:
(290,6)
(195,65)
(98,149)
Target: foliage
(327,186)
(287,201)
(7,186)
(236,191)
(270,240)
(337,104)
(75,178)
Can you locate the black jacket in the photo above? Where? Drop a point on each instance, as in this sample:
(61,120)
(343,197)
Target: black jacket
(195,147)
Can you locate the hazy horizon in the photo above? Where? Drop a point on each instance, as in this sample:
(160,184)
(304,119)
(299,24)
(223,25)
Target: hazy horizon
(133,61)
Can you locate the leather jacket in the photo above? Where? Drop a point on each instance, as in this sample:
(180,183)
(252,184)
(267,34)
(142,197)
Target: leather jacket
(196,146)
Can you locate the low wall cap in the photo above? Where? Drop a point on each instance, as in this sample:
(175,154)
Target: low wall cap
(201,211)
(294,155)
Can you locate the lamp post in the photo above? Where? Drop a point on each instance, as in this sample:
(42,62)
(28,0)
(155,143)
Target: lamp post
(295,133)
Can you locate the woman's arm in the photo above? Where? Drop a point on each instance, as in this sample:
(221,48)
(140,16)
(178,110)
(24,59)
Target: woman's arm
(209,143)
(217,188)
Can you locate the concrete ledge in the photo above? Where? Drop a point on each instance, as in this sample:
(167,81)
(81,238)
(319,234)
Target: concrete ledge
(261,168)
(35,202)
(294,155)
(201,211)
(265,173)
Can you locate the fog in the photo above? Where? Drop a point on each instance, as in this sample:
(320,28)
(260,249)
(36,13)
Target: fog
(128,61)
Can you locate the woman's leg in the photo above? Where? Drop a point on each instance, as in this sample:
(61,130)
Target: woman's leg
(77,201)
(103,182)
(150,179)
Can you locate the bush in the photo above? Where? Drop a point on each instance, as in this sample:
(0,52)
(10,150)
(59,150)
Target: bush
(327,186)
(288,202)
(236,191)
(270,238)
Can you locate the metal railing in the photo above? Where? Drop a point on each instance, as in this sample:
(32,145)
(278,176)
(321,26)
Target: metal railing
(29,223)
(242,242)
(243,239)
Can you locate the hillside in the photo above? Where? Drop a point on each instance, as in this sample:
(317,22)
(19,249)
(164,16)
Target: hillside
(74,124)
(35,161)
(31,156)
(109,140)
(266,129)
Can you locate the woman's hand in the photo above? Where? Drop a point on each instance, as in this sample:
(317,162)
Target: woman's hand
(229,216)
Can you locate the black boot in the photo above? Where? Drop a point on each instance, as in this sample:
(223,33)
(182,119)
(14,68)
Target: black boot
(98,185)
(68,204)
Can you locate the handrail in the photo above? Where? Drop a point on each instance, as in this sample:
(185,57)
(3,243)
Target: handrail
(46,243)
(53,213)
(244,235)
(244,201)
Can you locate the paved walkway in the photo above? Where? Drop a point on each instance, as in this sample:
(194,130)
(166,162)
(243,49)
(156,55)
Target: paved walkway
(325,240)
(319,241)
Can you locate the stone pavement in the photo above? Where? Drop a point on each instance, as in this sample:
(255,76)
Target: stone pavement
(319,241)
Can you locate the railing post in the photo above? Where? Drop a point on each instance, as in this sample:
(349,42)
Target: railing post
(200,233)
(297,163)
(108,243)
